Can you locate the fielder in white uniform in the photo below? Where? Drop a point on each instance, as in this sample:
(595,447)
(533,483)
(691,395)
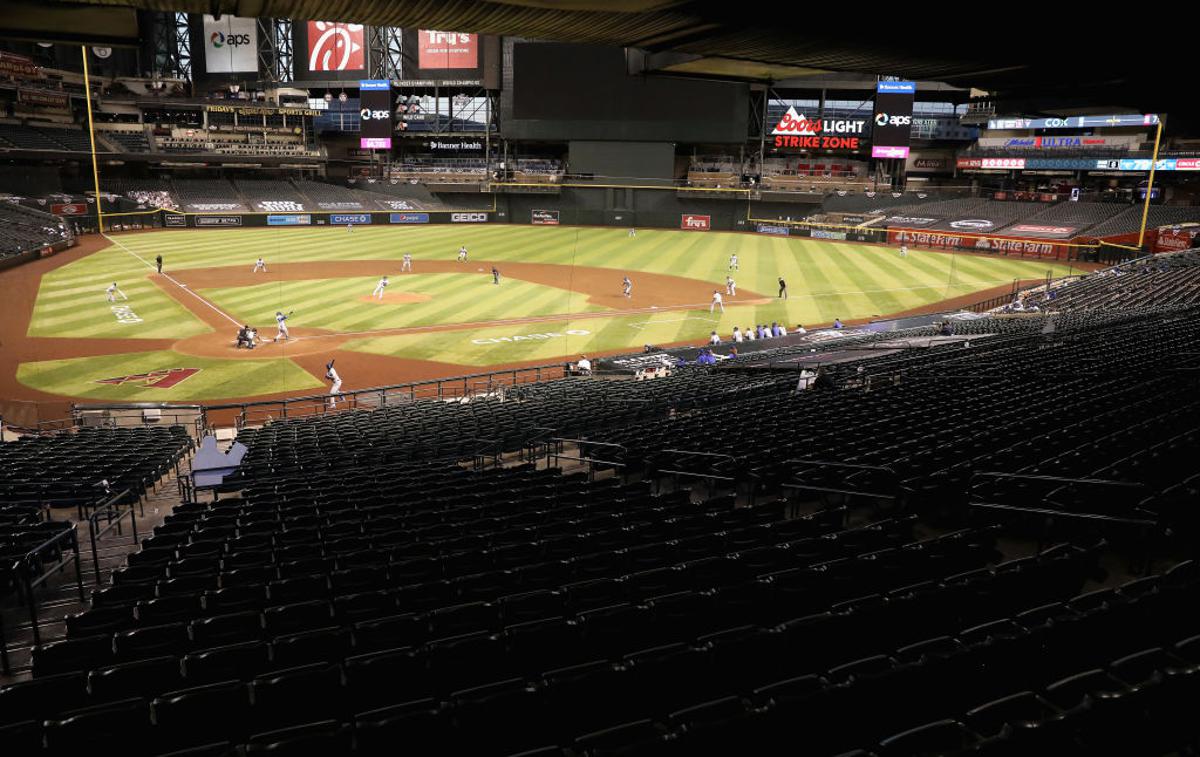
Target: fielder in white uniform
(730,286)
(462,254)
(632,233)
(112,291)
(281,326)
(335,388)
(627,288)
(904,251)
(382,285)
(406,264)
(733,262)
(260,265)
(716,302)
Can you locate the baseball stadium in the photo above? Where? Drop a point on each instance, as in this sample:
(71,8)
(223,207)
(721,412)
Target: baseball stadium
(578,379)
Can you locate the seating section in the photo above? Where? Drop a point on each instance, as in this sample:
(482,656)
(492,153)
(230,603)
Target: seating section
(23,229)
(1130,220)
(871,585)
(128,141)
(329,196)
(68,469)
(1162,281)
(56,139)
(208,195)
(271,196)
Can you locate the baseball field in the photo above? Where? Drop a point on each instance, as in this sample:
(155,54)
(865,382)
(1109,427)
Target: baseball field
(559,295)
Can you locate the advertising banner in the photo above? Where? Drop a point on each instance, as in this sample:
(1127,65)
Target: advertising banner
(43,98)
(69,208)
(174,220)
(375,114)
(12,64)
(408,218)
(1035,230)
(1074,122)
(1171,240)
(334,46)
(796,131)
(691,222)
(828,234)
(915,222)
(290,220)
(468,217)
(447,50)
(218,221)
(767,228)
(951,240)
(354,219)
(543,217)
(230,44)
(892,131)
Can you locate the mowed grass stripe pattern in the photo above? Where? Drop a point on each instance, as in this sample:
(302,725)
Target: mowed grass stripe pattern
(337,304)
(217,379)
(72,303)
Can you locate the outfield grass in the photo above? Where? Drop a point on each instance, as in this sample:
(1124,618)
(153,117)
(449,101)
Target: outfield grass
(217,379)
(71,302)
(337,304)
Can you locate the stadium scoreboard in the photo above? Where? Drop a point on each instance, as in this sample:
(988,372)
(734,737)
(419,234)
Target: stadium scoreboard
(375,114)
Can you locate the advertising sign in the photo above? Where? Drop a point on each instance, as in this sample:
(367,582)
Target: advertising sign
(767,228)
(543,217)
(1035,230)
(1074,122)
(408,218)
(174,220)
(375,114)
(68,208)
(693,222)
(796,131)
(334,46)
(218,221)
(468,217)
(892,131)
(910,221)
(289,220)
(447,50)
(1170,240)
(355,219)
(230,44)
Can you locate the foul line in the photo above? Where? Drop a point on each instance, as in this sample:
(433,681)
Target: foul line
(176,282)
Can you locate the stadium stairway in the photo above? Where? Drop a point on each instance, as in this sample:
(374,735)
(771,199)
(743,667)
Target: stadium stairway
(59,596)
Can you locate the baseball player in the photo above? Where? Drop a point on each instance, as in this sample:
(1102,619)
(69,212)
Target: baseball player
(158,262)
(782,289)
(495,276)
(406,262)
(349,228)
(904,251)
(733,262)
(260,265)
(462,254)
(730,286)
(281,326)
(335,388)
(112,291)
(632,232)
(716,301)
(627,288)
(382,285)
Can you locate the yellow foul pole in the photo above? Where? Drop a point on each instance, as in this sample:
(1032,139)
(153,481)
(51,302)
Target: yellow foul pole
(87,89)
(1150,185)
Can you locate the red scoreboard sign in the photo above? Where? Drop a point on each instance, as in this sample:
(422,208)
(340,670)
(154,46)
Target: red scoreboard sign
(796,131)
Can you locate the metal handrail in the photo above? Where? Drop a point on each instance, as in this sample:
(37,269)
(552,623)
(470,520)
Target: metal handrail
(110,509)
(1059,482)
(26,569)
(847,492)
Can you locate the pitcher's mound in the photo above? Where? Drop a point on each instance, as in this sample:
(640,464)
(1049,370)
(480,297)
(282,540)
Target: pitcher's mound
(396,298)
